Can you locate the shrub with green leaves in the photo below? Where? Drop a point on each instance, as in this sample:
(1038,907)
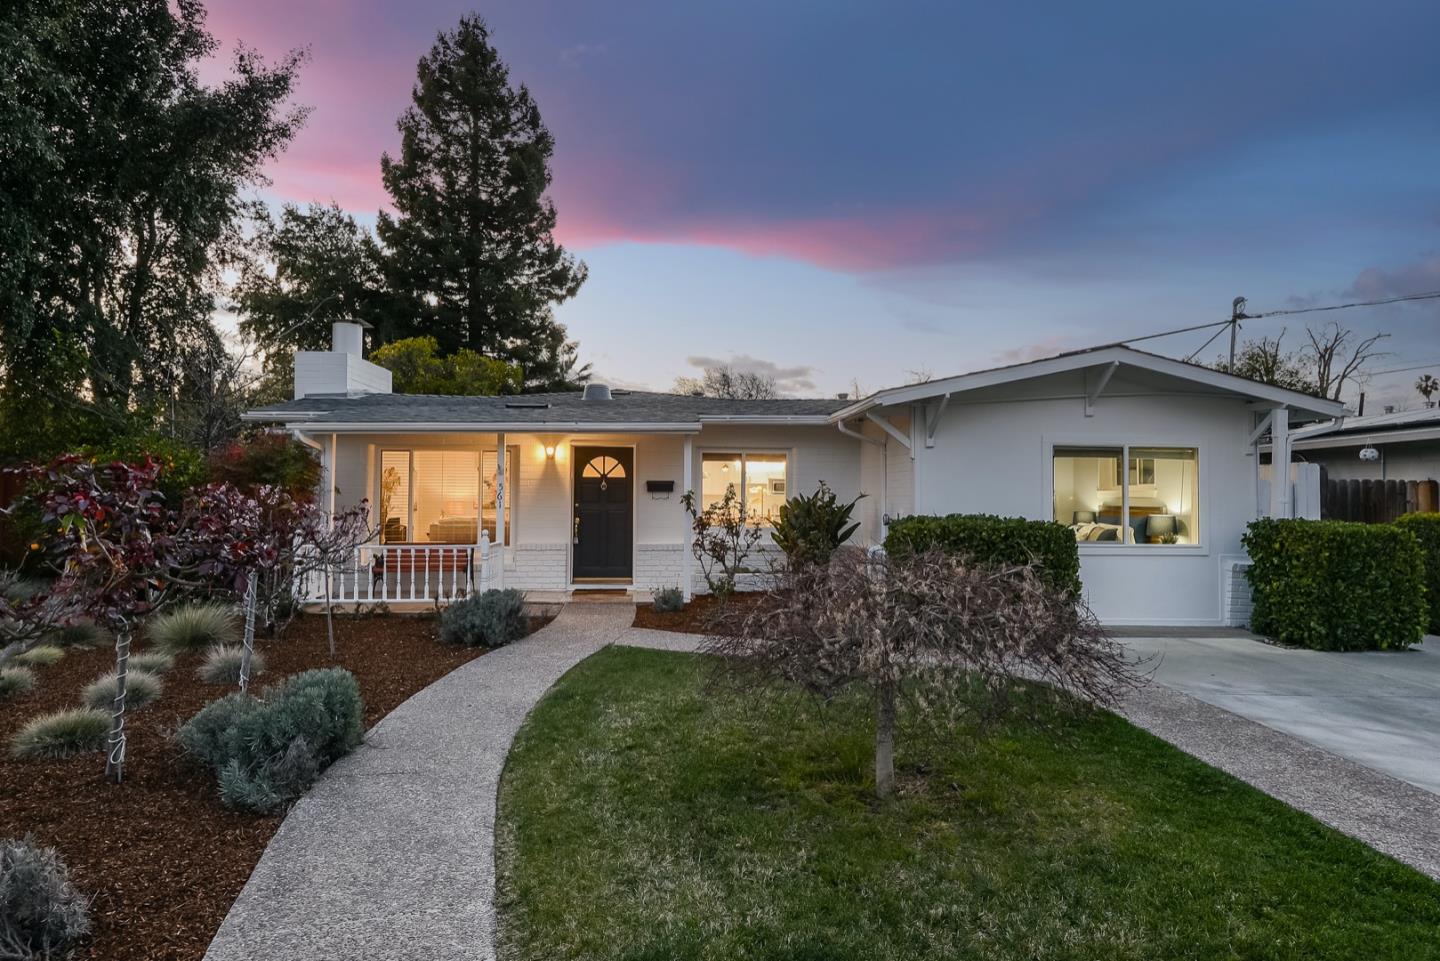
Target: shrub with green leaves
(491,619)
(812,526)
(152,662)
(80,634)
(1426,528)
(42,655)
(141,688)
(991,540)
(194,627)
(41,913)
(668,600)
(222,664)
(62,734)
(15,681)
(267,750)
(1334,585)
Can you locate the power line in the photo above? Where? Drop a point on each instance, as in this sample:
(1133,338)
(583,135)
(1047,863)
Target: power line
(1432,295)
(1401,370)
(1239,314)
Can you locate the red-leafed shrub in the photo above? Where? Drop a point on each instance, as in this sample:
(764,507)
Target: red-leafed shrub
(271,459)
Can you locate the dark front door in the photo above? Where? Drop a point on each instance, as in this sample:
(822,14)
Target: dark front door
(604,485)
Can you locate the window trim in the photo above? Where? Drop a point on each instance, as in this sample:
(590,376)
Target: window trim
(1125,444)
(744,451)
(511,505)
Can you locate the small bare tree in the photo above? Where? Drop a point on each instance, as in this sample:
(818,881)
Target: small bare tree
(950,640)
(1339,356)
(325,544)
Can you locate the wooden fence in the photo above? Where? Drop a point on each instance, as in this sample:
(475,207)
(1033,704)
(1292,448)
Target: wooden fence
(1376,501)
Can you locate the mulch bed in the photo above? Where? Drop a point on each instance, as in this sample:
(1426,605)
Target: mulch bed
(695,618)
(162,859)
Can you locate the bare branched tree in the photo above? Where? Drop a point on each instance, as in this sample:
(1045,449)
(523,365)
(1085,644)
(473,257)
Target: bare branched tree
(726,381)
(931,632)
(1339,356)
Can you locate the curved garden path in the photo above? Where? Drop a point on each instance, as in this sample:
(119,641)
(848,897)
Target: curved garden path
(391,855)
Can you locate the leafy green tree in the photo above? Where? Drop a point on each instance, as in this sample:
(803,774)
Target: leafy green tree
(471,253)
(309,268)
(416,367)
(1267,361)
(120,191)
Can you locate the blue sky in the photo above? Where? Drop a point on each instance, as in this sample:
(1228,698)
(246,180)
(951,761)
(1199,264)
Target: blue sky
(845,192)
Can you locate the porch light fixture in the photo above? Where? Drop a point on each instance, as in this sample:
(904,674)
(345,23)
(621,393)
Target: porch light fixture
(549,451)
(1369,453)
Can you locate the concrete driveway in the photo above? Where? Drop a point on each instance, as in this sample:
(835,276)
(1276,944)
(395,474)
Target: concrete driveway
(1379,709)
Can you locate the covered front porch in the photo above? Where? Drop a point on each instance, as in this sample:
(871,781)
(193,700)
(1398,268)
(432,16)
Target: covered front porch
(554,514)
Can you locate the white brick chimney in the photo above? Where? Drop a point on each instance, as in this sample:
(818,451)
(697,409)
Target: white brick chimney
(342,369)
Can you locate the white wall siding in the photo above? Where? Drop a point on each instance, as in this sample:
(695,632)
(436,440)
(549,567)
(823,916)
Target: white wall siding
(994,457)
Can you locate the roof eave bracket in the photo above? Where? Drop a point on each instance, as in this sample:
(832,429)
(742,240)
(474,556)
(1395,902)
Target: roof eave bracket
(932,419)
(890,429)
(1093,391)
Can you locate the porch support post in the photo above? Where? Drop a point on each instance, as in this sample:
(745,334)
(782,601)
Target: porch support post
(1280,462)
(497,549)
(330,475)
(687,474)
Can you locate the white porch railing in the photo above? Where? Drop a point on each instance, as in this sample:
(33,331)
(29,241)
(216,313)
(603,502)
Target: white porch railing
(384,573)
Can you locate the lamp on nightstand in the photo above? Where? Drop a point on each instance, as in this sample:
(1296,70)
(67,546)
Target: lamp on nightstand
(1161,528)
(1084,517)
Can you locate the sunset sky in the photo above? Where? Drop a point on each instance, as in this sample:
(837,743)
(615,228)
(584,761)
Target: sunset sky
(839,192)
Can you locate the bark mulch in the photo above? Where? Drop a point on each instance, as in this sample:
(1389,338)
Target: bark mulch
(162,859)
(694,618)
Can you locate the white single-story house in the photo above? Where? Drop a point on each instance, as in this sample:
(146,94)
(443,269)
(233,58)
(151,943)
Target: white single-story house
(1151,461)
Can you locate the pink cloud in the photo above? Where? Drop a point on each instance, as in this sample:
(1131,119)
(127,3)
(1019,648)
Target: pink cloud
(1377,283)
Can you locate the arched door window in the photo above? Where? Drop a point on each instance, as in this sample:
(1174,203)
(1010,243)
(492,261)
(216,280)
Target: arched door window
(604,467)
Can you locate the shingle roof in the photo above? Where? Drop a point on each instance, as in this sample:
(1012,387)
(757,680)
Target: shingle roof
(624,407)
(1376,423)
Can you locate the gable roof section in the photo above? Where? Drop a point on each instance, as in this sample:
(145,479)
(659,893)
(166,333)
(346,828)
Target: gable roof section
(1096,357)
(626,410)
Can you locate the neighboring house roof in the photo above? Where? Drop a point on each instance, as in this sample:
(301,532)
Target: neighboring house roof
(649,411)
(1405,425)
(1101,357)
(624,410)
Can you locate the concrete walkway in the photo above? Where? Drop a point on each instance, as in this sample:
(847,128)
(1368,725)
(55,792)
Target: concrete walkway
(391,854)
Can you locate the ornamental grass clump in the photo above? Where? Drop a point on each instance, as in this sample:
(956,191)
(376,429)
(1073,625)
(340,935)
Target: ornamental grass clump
(194,628)
(152,662)
(41,913)
(43,655)
(222,664)
(15,681)
(930,635)
(267,750)
(77,730)
(668,600)
(81,634)
(141,688)
(491,619)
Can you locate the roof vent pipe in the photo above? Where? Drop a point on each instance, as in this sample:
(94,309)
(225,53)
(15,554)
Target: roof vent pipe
(596,392)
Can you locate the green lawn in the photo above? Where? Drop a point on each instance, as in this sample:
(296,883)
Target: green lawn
(644,817)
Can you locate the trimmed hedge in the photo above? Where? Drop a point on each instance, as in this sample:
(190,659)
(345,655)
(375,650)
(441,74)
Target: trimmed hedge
(1335,585)
(1426,528)
(990,539)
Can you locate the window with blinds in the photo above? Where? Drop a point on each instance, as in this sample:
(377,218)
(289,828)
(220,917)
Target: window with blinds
(441,496)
